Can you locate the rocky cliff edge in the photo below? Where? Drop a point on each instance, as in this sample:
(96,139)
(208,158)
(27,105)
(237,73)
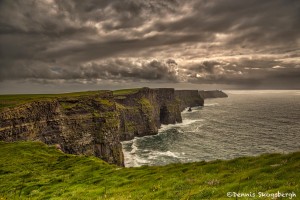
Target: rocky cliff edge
(91,124)
(95,123)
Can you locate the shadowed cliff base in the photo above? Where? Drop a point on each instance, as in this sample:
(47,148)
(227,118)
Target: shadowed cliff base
(93,122)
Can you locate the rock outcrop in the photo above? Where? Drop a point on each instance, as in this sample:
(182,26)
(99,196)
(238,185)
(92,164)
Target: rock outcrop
(189,98)
(212,94)
(143,112)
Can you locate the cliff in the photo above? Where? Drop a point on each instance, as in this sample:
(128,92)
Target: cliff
(93,123)
(189,98)
(212,94)
(143,112)
(87,124)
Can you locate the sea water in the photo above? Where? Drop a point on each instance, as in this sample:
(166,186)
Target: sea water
(247,123)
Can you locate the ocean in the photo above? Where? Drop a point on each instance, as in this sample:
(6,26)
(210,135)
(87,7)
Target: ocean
(247,123)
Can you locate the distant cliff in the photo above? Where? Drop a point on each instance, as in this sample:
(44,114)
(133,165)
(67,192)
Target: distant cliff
(212,94)
(189,98)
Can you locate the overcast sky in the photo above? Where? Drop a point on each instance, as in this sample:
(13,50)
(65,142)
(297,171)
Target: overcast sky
(61,46)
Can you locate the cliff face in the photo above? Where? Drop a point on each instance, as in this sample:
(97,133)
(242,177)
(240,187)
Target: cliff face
(143,112)
(212,94)
(91,124)
(86,125)
(189,98)
(94,124)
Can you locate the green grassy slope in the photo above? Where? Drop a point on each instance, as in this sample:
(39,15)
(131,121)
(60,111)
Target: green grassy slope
(31,170)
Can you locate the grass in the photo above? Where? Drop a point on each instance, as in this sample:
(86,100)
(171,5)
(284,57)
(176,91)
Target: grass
(32,170)
(105,102)
(68,106)
(17,99)
(9,101)
(145,102)
(125,91)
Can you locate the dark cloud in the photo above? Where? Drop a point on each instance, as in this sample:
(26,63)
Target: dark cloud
(120,69)
(248,24)
(114,69)
(243,43)
(245,72)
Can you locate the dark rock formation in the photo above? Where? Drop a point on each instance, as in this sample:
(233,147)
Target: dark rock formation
(189,98)
(143,112)
(212,94)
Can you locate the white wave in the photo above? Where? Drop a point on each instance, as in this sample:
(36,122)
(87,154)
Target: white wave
(140,161)
(135,161)
(185,122)
(157,154)
(131,157)
(133,147)
(197,128)
(127,142)
(210,104)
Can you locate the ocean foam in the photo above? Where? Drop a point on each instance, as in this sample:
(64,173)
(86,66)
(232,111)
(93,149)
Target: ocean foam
(134,147)
(132,159)
(210,104)
(185,122)
(157,154)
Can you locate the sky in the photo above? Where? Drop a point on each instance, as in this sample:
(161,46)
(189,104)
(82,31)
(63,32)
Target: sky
(55,46)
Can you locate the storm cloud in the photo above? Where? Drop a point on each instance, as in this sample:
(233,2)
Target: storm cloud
(233,43)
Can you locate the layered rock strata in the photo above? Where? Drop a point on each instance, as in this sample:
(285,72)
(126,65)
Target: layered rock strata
(189,98)
(143,112)
(86,125)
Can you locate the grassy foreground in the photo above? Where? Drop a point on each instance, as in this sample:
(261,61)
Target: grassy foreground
(32,170)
